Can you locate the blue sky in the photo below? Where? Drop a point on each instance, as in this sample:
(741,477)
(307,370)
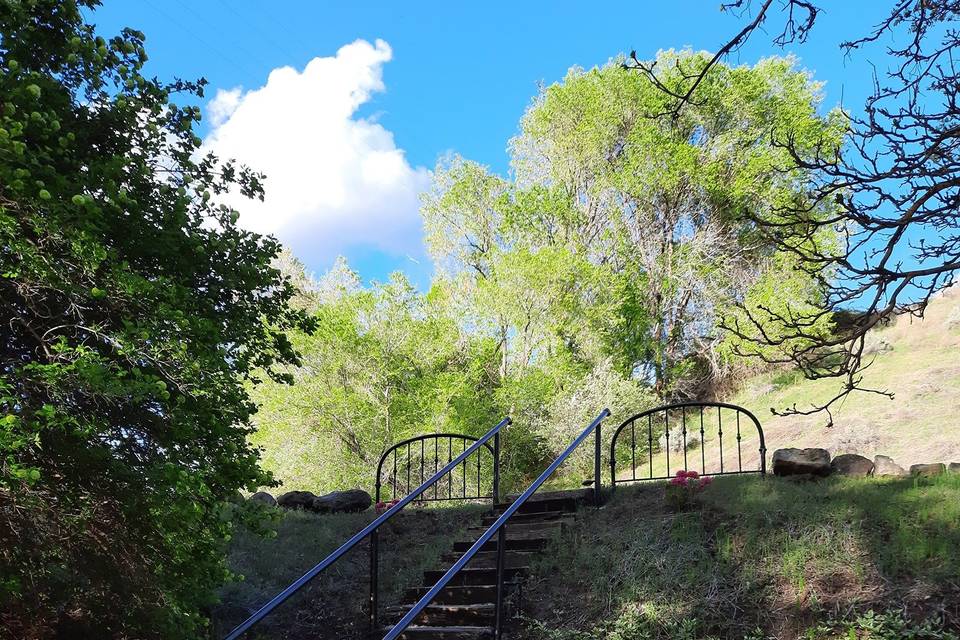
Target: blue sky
(428,79)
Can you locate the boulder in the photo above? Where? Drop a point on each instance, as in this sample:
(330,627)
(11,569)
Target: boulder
(264,498)
(350,501)
(934,469)
(296,500)
(792,462)
(851,464)
(885,466)
(954,467)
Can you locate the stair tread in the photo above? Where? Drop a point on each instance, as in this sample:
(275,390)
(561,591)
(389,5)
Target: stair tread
(422,631)
(477,606)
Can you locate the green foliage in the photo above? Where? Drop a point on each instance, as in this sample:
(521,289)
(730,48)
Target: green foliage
(133,310)
(759,557)
(653,217)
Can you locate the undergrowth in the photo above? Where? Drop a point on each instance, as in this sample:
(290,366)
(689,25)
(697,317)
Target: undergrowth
(758,558)
(334,604)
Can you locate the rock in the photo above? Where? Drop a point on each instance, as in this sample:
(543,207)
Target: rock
(264,498)
(676,440)
(885,466)
(953,320)
(954,467)
(876,346)
(851,464)
(934,469)
(350,501)
(296,500)
(792,462)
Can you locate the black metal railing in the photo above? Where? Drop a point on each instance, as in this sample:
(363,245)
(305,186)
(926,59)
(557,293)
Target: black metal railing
(499,528)
(281,597)
(409,461)
(667,434)
(406,464)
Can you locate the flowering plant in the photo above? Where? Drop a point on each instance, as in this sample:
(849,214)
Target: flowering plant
(683,488)
(381,507)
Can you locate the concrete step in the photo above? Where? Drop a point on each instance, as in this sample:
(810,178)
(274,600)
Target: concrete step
(455,595)
(522,518)
(489,559)
(448,615)
(479,576)
(547,528)
(515,542)
(549,501)
(445,633)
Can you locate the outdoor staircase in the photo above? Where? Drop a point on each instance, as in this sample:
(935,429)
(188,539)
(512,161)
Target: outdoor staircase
(465,609)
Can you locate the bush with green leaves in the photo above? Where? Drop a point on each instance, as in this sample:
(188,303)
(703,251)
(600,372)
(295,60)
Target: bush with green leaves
(133,311)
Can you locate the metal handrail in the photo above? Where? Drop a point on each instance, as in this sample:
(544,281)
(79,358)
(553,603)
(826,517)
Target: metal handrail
(378,484)
(281,597)
(497,527)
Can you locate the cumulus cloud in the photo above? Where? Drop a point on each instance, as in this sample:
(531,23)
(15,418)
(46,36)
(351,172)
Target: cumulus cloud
(334,180)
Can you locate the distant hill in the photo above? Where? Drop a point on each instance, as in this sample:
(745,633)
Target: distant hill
(918,360)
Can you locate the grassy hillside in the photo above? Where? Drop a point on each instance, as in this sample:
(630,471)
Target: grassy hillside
(919,362)
(758,558)
(922,422)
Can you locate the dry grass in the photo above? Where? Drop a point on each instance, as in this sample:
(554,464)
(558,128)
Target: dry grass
(761,558)
(333,606)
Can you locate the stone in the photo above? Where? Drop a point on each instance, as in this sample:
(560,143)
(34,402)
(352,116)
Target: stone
(876,347)
(351,501)
(851,464)
(296,500)
(933,469)
(954,467)
(885,466)
(264,498)
(791,462)
(677,441)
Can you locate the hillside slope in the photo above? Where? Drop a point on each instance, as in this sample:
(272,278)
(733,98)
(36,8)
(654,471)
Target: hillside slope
(919,361)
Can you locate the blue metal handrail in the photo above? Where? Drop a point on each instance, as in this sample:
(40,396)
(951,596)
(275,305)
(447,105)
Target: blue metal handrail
(281,597)
(496,527)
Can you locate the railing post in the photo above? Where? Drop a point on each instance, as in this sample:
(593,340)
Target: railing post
(596,469)
(374,579)
(501,559)
(496,468)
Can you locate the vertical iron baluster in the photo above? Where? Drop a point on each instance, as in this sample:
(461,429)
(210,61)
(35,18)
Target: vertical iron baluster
(720,433)
(449,475)
(436,466)
(374,578)
(479,455)
(703,445)
(501,561)
(633,447)
(394,483)
(421,497)
(666,426)
(739,453)
(407,488)
(596,469)
(684,429)
(650,442)
(496,469)
(463,468)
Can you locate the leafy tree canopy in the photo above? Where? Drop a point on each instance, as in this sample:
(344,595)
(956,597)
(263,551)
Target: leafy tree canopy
(133,311)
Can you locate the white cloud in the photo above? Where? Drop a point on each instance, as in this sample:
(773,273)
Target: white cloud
(334,180)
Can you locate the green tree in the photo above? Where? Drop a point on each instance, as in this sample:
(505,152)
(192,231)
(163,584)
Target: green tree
(664,209)
(134,309)
(386,363)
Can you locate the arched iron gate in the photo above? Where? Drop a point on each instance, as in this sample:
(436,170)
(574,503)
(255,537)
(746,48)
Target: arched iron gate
(408,465)
(410,462)
(694,424)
